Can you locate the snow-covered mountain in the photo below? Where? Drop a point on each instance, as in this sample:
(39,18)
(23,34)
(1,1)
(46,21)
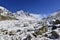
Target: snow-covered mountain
(4,11)
(55,15)
(22,25)
(25,15)
(5,14)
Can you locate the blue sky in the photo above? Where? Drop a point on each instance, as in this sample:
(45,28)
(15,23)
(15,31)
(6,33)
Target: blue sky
(33,6)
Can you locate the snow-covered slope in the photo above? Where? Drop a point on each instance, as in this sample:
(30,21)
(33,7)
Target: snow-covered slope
(24,26)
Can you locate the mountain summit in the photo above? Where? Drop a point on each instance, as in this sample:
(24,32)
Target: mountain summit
(4,11)
(5,14)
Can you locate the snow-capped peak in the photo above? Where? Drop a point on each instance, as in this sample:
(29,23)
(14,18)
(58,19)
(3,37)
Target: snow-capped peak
(2,7)
(55,13)
(4,11)
(22,13)
(25,15)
